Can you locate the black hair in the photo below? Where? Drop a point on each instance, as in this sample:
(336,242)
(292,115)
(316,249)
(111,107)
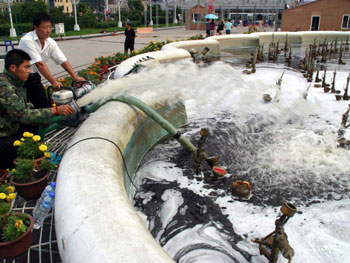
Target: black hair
(41,17)
(128,23)
(15,57)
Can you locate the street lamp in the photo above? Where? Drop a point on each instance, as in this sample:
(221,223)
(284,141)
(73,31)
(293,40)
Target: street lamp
(12,30)
(120,24)
(106,10)
(166,13)
(76,26)
(150,13)
(175,19)
(119,2)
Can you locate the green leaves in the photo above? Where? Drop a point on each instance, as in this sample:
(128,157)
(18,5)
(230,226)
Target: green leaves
(15,226)
(24,170)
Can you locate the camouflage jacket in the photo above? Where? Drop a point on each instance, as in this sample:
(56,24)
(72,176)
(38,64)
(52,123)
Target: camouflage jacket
(15,110)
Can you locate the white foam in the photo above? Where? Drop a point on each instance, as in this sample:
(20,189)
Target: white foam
(304,141)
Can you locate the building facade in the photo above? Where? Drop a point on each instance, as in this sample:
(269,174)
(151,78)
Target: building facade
(250,11)
(66,4)
(243,12)
(318,15)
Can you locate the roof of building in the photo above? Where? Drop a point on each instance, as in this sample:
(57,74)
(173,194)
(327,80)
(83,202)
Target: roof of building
(302,5)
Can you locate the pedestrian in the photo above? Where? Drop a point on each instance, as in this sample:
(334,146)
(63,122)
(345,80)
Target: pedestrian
(207,28)
(41,47)
(228,27)
(212,27)
(220,28)
(17,115)
(129,38)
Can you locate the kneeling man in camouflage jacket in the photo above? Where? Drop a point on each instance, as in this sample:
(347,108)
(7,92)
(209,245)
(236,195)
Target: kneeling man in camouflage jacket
(17,115)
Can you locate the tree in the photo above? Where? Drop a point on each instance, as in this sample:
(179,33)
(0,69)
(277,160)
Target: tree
(57,15)
(28,9)
(4,18)
(135,12)
(82,8)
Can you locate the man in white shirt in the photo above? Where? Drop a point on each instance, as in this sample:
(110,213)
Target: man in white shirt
(41,48)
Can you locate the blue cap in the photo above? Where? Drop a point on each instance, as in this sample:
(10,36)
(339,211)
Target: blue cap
(52,195)
(53,184)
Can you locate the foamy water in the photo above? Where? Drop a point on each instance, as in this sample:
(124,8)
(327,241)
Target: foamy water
(287,150)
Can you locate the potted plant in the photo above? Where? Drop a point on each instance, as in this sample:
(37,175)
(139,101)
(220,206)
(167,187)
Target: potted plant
(15,228)
(29,147)
(3,174)
(32,166)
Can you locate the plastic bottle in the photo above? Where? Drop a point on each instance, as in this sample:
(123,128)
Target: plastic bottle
(50,188)
(43,211)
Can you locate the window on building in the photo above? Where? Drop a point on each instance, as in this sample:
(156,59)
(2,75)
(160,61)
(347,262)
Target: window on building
(315,23)
(346,22)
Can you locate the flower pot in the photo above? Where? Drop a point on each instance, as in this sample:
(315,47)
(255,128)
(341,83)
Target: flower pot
(18,246)
(3,174)
(31,190)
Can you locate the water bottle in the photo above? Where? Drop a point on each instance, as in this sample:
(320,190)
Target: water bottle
(48,189)
(43,211)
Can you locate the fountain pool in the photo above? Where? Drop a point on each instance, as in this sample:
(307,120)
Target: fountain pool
(286,149)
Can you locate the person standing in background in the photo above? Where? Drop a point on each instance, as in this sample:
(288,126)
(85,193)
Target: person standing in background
(228,27)
(207,28)
(129,38)
(212,27)
(220,27)
(41,47)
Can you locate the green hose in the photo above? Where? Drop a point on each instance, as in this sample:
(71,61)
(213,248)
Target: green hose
(53,126)
(151,113)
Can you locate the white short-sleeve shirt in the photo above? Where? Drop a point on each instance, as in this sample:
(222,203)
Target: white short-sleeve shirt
(30,43)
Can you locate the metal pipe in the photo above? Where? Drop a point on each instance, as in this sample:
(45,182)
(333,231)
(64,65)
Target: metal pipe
(150,113)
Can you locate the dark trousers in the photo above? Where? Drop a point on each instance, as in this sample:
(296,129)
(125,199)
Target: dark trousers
(7,151)
(128,45)
(35,91)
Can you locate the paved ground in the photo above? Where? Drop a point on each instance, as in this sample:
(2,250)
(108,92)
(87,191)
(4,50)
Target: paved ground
(83,51)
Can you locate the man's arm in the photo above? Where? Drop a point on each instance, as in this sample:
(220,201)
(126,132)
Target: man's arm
(44,70)
(18,110)
(67,67)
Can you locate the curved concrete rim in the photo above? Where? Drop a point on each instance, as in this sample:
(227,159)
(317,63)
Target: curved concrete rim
(94,217)
(95,220)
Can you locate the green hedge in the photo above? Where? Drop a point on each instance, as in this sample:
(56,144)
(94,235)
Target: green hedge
(22,28)
(87,21)
(134,23)
(107,24)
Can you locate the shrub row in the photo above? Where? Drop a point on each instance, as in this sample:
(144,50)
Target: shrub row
(22,28)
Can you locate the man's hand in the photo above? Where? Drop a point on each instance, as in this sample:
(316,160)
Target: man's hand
(79,79)
(56,85)
(67,67)
(62,110)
